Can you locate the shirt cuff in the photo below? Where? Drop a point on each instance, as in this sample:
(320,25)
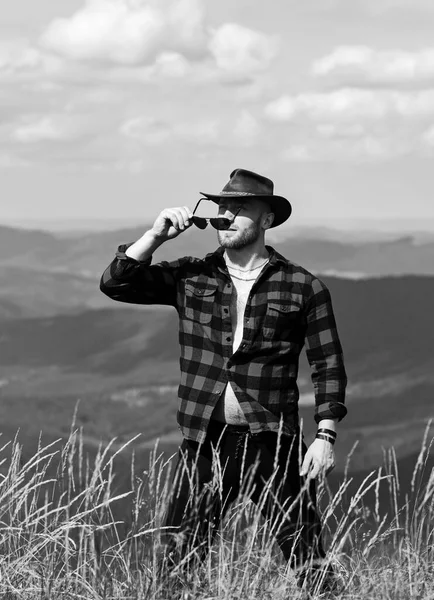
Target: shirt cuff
(120,255)
(330,410)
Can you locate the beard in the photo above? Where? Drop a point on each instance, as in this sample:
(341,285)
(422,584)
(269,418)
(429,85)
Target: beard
(240,239)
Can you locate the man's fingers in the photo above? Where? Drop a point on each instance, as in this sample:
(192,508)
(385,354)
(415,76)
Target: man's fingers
(314,472)
(305,466)
(172,221)
(330,468)
(169,217)
(186,215)
(179,216)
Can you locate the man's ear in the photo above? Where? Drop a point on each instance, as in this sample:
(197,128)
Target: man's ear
(268,220)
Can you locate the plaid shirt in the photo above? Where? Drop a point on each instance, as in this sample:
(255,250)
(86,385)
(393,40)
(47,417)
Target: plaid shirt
(287,308)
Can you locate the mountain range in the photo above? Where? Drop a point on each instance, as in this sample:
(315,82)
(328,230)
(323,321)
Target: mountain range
(44,274)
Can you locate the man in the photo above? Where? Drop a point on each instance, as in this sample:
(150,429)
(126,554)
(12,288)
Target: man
(245,313)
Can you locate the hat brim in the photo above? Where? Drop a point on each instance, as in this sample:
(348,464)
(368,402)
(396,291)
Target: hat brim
(280,206)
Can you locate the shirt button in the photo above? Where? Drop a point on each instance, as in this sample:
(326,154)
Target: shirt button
(225,310)
(228,339)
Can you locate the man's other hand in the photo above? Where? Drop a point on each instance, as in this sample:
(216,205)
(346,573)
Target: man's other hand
(319,459)
(171,222)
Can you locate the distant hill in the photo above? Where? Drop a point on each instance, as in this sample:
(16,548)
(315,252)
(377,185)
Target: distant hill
(123,366)
(28,244)
(44,275)
(33,292)
(89,254)
(396,257)
(383,325)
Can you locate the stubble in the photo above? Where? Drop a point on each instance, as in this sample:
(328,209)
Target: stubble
(240,239)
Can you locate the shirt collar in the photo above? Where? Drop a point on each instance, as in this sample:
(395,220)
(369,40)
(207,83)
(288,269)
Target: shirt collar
(217,257)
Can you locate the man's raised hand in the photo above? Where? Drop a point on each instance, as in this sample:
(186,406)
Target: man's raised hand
(171,222)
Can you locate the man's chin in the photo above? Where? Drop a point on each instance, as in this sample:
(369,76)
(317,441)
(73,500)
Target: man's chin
(227,239)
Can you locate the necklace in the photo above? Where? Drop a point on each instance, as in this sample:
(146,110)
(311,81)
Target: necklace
(243,277)
(230,267)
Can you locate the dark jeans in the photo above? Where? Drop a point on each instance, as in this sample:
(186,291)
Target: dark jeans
(261,465)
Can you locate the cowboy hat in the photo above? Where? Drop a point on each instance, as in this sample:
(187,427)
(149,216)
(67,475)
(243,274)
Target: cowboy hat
(246,183)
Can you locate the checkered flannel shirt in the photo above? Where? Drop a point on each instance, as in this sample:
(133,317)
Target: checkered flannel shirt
(287,308)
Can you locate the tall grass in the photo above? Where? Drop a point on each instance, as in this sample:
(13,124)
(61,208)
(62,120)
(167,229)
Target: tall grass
(67,531)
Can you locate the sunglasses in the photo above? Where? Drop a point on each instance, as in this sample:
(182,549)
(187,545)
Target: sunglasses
(220,223)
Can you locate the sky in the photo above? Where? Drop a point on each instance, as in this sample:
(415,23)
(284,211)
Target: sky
(112,110)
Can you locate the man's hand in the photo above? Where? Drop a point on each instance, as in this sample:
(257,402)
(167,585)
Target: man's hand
(171,222)
(319,459)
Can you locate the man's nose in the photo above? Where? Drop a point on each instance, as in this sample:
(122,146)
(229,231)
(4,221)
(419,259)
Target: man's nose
(228,212)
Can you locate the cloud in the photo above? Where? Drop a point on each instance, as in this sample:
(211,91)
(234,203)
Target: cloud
(366,148)
(247,129)
(239,131)
(128,32)
(352,103)
(238,49)
(172,65)
(155,132)
(372,7)
(352,124)
(57,127)
(123,74)
(151,40)
(377,66)
(428,137)
(42,129)
(382,6)
(125,42)
(141,32)
(8,161)
(19,59)
(341,130)
(17,55)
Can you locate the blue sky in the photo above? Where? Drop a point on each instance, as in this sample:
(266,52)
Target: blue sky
(118,108)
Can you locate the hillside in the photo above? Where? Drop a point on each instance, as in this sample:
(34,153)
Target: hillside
(123,366)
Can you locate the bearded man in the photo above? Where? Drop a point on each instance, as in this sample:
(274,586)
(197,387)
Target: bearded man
(245,313)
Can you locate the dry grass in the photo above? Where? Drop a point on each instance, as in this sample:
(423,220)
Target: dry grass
(65,533)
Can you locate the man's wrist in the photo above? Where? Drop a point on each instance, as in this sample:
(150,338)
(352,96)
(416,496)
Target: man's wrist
(327,430)
(145,246)
(328,424)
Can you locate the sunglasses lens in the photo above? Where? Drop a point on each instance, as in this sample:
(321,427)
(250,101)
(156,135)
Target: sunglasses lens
(199,222)
(220,223)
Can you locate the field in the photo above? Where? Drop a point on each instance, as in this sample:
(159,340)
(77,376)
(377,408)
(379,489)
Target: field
(71,528)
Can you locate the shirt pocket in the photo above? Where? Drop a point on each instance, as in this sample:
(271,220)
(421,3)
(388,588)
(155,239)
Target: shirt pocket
(281,319)
(199,303)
